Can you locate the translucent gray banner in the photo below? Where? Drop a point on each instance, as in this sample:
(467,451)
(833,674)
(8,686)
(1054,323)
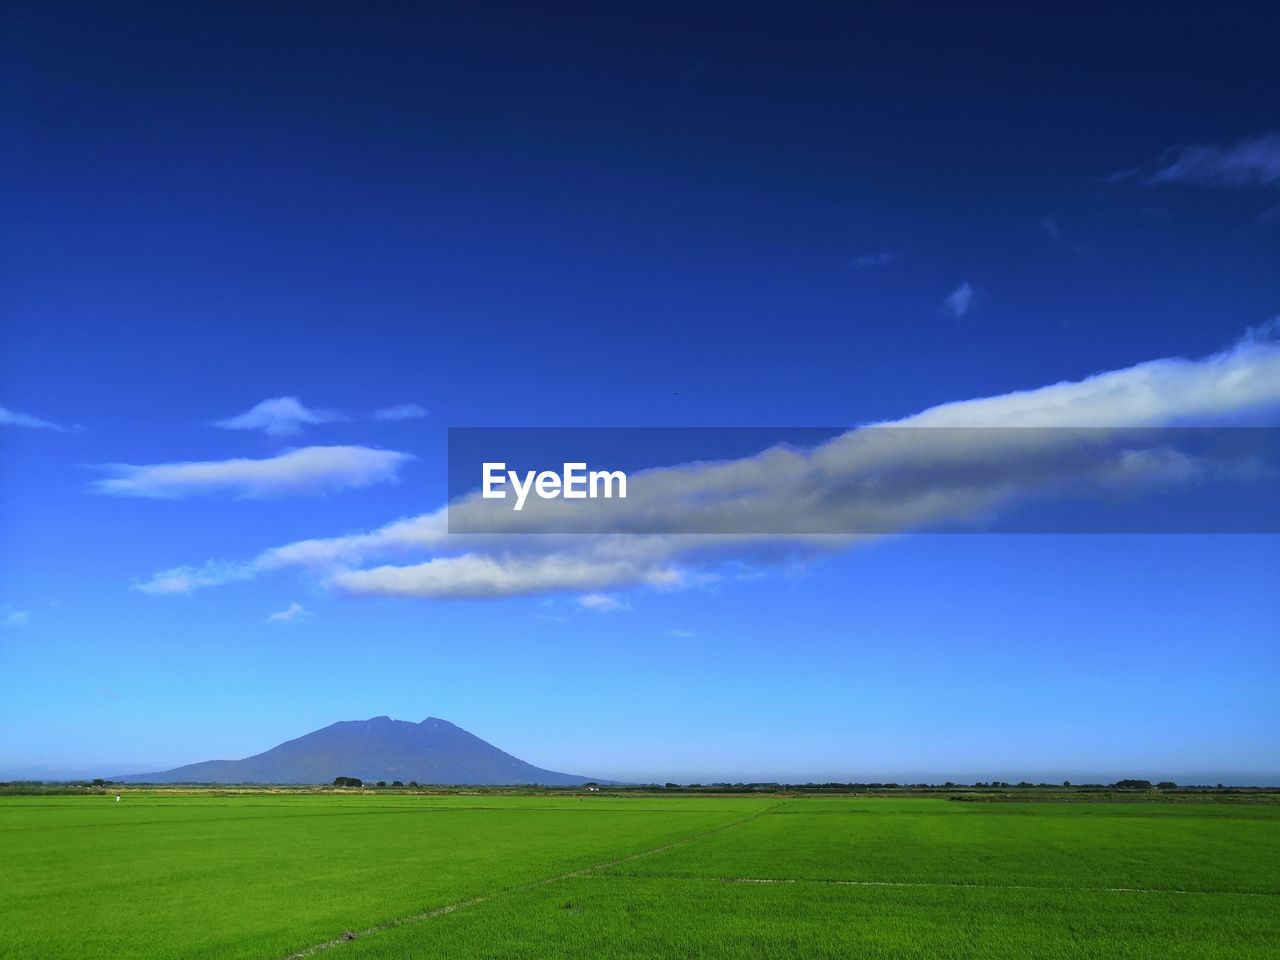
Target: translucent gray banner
(878,480)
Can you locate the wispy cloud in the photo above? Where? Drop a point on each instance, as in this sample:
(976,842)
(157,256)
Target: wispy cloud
(294,613)
(401,411)
(310,470)
(602,603)
(286,416)
(680,634)
(514,559)
(1049,227)
(185,580)
(961,300)
(882,259)
(15,418)
(1253,162)
(12,617)
(279,417)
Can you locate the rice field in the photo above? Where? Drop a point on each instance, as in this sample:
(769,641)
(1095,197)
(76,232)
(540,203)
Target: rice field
(271,876)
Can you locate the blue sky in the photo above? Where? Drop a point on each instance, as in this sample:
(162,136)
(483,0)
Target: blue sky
(658,218)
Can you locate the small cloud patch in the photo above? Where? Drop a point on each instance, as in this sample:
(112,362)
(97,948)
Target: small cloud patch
(293,613)
(11,617)
(602,603)
(867,261)
(961,300)
(401,411)
(279,417)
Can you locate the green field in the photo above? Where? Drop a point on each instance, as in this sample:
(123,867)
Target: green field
(268,876)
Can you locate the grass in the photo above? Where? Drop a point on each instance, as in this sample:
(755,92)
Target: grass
(206,875)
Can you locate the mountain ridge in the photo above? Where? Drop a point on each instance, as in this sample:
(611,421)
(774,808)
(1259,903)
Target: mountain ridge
(434,751)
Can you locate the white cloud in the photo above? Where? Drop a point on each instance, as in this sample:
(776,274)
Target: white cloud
(836,485)
(401,411)
(602,603)
(961,300)
(184,580)
(1249,163)
(310,470)
(1049,227)
(479,576)
(15,418)
(12,617)
(680,634)
(294,613)
(874,260)
(279,417)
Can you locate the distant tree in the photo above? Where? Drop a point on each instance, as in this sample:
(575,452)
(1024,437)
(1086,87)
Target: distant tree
(1066,783)
(348,782)
(1166,785)
(591,783)
(1133,784)
(397,783)
(99,782)
(381,783)
(413,783)
(673,786)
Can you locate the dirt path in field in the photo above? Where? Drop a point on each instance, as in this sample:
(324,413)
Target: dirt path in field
(532,885)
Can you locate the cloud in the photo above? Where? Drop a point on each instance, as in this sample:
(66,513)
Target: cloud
(401,411)
(874,260)
(279,417)
(15,418)
(309,470)
(11,617)
(961,300)
(834,485)
(480,576)
(602,603)
(1249,163)
(184,580)
(1049,227)
(680,634)
(294,613)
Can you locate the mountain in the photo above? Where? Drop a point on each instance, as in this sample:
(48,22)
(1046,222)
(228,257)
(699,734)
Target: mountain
(433,751)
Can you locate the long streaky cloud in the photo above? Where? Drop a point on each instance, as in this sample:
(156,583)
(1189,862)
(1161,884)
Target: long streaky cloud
(16,418)
(1249,163)
(418,557)
(307,471)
